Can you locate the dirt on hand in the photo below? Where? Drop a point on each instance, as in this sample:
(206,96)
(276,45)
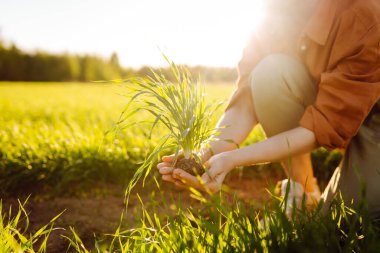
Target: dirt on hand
(190,165)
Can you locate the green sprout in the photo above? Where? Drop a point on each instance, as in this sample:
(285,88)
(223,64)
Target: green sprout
(180,106)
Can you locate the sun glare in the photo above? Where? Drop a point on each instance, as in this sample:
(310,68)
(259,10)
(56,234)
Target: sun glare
(194,32)
(202,32)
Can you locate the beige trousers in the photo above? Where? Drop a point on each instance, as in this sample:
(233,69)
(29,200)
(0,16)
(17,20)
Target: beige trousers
(282,88)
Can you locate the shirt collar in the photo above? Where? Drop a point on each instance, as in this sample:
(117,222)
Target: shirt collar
(319,26)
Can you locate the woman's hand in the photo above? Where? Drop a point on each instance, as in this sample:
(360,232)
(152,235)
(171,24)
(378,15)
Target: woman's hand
(166,170)
(217,167)
(211,181)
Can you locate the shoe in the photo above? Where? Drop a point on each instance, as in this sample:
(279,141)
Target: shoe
(296,194)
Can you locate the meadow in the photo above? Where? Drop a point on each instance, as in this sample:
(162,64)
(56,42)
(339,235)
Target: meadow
(54,134)
(53,143)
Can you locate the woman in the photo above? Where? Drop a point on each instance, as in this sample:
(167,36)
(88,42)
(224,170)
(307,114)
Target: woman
(311,77)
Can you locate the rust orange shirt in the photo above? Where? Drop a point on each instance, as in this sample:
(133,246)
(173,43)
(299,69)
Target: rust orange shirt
(340,45)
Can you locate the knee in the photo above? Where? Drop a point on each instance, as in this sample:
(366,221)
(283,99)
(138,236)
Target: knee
(269,72)
(280,88)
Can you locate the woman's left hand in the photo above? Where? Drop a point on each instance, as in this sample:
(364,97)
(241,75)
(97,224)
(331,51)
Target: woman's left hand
(211,181)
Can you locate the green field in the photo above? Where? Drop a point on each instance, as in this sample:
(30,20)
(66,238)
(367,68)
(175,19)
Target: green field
(53,144)
(52,134)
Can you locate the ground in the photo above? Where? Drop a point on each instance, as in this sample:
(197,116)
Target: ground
(95,214)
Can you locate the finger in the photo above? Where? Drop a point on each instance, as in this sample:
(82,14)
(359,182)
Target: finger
(207,164)
(213,187)
(180,184)
(168,159)
(166,170)
(206,178)
(186,178)
(161,165)
(168,178)
(208,175)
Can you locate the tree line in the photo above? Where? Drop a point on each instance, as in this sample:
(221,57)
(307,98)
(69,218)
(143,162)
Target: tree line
(17,65)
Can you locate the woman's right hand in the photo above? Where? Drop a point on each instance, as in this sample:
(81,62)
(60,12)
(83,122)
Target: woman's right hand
(166,170)
(217,167)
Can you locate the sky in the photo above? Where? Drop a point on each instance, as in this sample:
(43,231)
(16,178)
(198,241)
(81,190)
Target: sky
(196,32)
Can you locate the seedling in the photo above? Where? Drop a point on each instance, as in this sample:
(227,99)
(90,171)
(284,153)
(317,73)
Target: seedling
(180,106)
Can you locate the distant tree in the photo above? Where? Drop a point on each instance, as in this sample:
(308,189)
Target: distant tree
(143,71)
(114,61)
(16,65)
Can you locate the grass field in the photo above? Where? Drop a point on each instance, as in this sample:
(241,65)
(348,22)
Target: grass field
(53,143)
(54,133)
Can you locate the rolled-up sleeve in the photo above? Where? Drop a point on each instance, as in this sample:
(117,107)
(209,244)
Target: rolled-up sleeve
(347,93)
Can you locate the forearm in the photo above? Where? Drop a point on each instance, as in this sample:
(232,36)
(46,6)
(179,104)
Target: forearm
(279,147)
(234,126)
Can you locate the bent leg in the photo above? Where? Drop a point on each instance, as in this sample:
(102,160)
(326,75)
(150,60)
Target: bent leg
(282,89)
(300,169)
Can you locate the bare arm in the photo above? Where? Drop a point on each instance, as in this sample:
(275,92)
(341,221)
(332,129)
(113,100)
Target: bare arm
(279,147)
(235,124)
